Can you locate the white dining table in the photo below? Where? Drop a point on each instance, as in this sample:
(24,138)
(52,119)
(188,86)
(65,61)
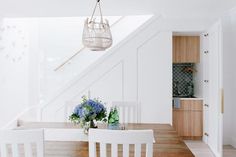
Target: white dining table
(72,134)
(66,139)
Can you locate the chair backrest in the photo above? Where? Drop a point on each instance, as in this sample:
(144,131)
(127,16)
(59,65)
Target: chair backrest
(126,138)
(128,111)
(69,109)
(14,143)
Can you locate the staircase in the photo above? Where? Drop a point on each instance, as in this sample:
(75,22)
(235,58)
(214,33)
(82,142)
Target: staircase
(56,79)
(88,71)
(87,74)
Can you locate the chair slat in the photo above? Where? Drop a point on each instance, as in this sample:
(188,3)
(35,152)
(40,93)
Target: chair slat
(125,150)
(69,109)
(135,115)
(114,150)
(123,114)
(40,147)
(103,150)
(137,150)
(92,149)
(28,150)
(129,113)
(149,150)
(15,152)
(3,150)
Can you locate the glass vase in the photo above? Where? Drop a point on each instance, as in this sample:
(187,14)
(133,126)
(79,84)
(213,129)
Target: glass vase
(88,125)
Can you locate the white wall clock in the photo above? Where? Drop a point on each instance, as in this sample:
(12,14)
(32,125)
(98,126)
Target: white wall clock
(13,43)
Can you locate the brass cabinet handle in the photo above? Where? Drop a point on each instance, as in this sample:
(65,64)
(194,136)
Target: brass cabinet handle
(222,101)
(206,134)
(206,105)
(206,81)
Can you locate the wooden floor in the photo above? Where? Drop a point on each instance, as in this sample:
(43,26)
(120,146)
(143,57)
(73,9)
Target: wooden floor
(229,151)
(199,149)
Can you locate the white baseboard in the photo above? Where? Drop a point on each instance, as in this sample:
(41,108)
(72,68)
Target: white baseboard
(233,142)
(227,140)
(215,152)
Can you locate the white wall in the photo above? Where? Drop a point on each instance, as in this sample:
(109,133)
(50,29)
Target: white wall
(14,70)
(19,66)
(173,9)
(122,74)
(124,59)
(229,47)
(234,75)
(61,38)
(41,53)
(155,78)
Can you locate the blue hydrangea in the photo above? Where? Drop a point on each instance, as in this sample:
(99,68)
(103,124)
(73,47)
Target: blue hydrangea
(90,109)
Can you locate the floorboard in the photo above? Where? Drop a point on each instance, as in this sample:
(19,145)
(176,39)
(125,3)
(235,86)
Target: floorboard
(229,151)
(199,148)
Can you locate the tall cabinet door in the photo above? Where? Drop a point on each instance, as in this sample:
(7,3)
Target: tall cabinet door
(154,60)
(186,49)
(205,79)
(193,49)
(179,49)
(214,84)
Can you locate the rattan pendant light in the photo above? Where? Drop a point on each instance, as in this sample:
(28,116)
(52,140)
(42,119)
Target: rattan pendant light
(97,34)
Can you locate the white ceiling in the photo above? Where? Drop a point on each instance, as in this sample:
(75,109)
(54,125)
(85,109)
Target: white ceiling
(208,9)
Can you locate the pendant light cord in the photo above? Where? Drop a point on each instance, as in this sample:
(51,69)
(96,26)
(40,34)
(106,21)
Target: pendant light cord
(99,4)
(100,10)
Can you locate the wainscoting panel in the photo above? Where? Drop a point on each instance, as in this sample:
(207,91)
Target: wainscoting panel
(139,70)
(107,88)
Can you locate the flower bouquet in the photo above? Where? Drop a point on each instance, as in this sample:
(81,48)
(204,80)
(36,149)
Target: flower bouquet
(87,112)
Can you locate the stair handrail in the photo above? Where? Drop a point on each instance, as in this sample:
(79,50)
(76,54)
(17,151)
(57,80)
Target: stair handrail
(150,21)
(80,50)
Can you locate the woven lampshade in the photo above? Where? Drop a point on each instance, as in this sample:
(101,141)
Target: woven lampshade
(97,35)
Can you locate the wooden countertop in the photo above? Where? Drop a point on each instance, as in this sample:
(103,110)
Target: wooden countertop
(168,143)
(196,98)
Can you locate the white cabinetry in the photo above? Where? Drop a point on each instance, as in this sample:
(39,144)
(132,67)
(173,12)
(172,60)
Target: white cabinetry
(155,79)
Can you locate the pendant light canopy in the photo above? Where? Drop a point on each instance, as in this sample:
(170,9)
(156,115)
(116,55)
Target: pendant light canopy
(97,34)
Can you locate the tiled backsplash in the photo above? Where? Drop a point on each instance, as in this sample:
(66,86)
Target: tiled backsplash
(182,79)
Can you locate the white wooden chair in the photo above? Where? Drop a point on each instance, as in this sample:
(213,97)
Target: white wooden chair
(69,109)
(120,137)
(128,111)
(15,143)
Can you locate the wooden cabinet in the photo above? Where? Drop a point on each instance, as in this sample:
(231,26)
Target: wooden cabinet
(188,119)
(186,49)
